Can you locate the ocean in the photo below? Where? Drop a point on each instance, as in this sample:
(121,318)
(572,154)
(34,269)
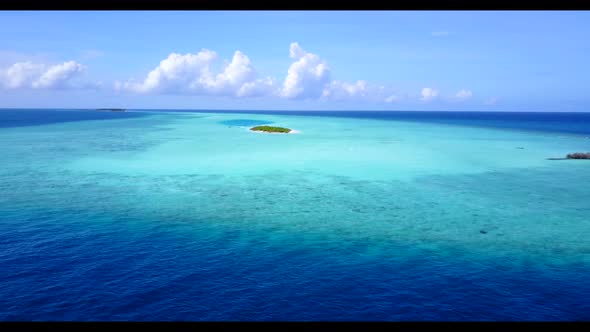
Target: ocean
(172,215)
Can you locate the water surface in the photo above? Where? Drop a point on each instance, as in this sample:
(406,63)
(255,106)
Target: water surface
(167,215)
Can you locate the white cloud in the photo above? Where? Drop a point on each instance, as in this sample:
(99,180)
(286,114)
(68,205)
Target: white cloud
(21,74)
(361,90)
(307,77)
(58,75)
(345,90)
(295,51)
(193,74)
(464,94)
(175,73)
(440,33)
(39,76)
(429,94)
(259,87)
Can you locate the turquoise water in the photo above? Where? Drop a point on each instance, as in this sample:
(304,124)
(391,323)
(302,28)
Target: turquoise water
(191,216)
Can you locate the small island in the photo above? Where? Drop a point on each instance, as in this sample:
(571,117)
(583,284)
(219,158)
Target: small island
(270,129)
(112,109)
(579,155)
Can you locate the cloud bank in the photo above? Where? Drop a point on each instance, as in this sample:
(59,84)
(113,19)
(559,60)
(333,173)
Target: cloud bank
(307,77)
(39,76)
(193,74)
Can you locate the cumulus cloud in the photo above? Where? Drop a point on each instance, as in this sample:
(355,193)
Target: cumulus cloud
(344,90)
(39,76)
(258,87)
(295,51)
(176,72)
(429,94)
(21,74)
(464,94)
(58,75)
(307,77)
(360,90)
(193,74)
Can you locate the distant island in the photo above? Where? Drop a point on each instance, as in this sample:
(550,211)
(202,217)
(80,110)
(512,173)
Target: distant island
(576,155)
(112,109)
(270,129)
(579,155)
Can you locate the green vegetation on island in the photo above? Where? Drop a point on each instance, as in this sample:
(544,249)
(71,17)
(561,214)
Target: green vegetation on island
(269,129)
(579,155)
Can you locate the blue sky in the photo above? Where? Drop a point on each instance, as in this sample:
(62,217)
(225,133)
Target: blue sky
(404,60)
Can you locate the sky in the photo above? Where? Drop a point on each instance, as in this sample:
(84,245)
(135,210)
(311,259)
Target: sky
(296,60)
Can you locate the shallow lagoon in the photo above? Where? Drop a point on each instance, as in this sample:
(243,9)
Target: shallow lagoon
(190,216)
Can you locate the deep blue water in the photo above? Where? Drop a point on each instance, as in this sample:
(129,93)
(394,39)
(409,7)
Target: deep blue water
(37,117)
(68,252)
(566,122)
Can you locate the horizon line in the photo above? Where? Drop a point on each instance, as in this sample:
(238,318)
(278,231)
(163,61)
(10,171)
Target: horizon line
(270,110)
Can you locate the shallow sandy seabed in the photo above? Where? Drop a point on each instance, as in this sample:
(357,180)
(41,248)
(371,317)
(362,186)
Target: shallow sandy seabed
(166,212)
